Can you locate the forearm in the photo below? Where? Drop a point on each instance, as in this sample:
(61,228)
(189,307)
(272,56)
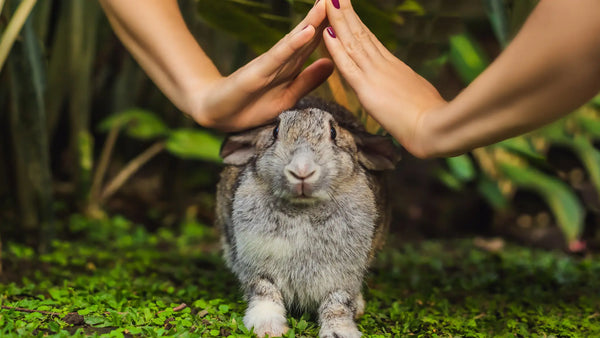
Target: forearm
(550,69)
(156,35)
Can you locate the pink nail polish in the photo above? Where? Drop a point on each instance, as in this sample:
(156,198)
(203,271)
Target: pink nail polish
(331,32)
(336,3)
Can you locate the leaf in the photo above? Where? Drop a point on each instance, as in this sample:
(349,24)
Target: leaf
(491,192)
(589,155)
(245,26)
(27,116)
(563,203)
(138,123)
(411,6)
(54,326)
(589,124)
(249,3)
(194,144)
(448,179)
(467,57)
(496,11)
(596,101)
(522,146)
(462,167)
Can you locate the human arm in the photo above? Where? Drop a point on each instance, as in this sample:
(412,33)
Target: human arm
(550,68)
(156,35)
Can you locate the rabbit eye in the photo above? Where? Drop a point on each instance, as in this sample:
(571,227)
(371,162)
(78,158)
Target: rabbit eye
(333,133)
(276,131)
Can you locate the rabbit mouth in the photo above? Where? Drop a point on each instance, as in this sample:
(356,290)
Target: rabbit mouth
(303,192)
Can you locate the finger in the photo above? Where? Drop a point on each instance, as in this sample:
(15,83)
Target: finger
(344,63)
(352,33)
(315,17)
(310,78)
(297,40)
(295,44)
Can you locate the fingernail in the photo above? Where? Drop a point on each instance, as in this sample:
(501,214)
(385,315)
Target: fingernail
(305,27)
(331,32)
(336,3)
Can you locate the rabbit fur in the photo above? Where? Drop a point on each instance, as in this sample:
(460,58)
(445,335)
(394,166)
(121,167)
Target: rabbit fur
(301,208)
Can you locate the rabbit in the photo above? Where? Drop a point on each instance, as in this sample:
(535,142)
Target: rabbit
(301,209)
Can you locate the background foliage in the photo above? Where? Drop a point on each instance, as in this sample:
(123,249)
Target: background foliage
(84,135)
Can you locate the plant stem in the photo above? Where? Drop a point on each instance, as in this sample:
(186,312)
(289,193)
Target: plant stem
(14,27)
(133,166)
(1,5)
(109,145)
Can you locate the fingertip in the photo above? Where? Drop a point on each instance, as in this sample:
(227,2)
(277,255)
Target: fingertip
(331,32)
(303,36)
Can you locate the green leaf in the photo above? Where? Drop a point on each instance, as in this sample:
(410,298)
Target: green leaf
(565,206)
(194,144)
(496,11)
(223,308)
(249,3)
(590,156)
(589,124)
(462,167)
(467,57)
(54,326)
(523,147)
(411,6)
(520,145)
(229,17)
(448,179)
(596,100)
(491,192)
(138,123)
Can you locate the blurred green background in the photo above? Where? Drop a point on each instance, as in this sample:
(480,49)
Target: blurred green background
(107,191)
(84,131)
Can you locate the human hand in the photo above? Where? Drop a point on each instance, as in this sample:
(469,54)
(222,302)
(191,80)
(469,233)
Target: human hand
(389,90)
(274,81)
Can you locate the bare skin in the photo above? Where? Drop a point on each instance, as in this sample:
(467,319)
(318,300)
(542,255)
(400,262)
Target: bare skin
(155,33)
(551,68)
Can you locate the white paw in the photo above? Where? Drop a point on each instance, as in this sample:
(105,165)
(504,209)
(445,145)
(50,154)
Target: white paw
(267,318)
(340,330)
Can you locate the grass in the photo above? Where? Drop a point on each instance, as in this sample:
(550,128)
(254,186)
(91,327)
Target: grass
(115,279)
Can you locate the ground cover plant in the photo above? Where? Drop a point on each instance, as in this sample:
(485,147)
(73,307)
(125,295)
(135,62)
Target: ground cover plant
(117,279)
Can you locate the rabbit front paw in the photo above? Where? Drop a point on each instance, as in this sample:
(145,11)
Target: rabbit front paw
(346,330)
(267,318)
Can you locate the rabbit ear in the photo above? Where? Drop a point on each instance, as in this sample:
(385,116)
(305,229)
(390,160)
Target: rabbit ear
(238,149)
(376,152)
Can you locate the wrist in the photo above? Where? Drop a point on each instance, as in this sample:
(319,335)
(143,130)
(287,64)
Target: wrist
(427,140)
(196,96)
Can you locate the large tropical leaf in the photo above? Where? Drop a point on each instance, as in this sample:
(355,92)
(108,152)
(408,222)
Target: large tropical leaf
(232,18)
(30,140)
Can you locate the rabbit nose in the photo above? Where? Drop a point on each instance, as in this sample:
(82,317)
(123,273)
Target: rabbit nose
(302,169)
(301,174)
